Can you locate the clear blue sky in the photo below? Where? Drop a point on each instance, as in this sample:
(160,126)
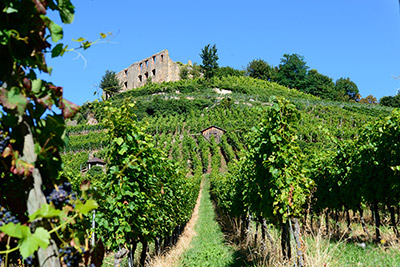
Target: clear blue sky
(359,39)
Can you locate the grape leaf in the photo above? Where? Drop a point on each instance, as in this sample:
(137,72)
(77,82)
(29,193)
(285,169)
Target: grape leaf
(67,11)
(56,32)
(13,230)
(68,108)
(45,211)
(13,98)
(57,50)
(88,206)
(31,242)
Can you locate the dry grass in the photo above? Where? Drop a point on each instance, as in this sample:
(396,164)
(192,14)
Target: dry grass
(316,246)
(321,248)
(173,256)
(317,250)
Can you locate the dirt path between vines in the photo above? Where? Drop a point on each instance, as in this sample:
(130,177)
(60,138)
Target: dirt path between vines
(173,256)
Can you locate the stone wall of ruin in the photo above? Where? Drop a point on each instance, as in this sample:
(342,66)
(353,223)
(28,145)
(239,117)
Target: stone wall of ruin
(159,67)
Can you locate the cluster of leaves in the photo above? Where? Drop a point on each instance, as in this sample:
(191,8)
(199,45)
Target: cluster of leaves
(29,242)
(272,170)
(190,72)
(162,107)
(84,142)
(370,163)
(75,161)
(293,72)
(84,128)
(270,181)
(390,101)
(144,194)
(28,116)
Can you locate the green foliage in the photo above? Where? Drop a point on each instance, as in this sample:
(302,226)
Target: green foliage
(228,71)
(369,163)
(278,166)
(145,195)
(320,85)
(260,69)
(32,115)
(271,178)
(210,57)
(225,103)
(74,162)
(162,107)
(195,71)
(184,73)
(215,156)
(84,142)
(110,84)
(208,247)
(292,71)
(227,149)
(379,160)
(84,128)
(95,171)
(346,89)
(204,152)
(390,101)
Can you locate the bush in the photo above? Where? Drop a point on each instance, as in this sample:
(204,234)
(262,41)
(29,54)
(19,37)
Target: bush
(228,71)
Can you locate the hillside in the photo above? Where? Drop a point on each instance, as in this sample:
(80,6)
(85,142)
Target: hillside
(175,113)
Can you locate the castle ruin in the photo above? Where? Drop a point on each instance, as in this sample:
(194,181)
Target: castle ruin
(159,68)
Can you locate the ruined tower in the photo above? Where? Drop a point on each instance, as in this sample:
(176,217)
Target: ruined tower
(159,67)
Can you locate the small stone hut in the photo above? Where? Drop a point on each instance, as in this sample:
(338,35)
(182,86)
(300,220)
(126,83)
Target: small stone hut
(95,162)
(213,130)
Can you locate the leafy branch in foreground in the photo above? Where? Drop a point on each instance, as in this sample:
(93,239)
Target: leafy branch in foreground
(32,127)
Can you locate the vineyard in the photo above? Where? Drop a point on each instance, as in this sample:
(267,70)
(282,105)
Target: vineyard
(307,153)
(293,177)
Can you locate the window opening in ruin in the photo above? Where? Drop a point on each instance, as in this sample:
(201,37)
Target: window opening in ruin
(154,59)
(126,84)
(126,72)
(147,63)
(162,58)
(140,78)
(141,65)
(147,75)
(154,72)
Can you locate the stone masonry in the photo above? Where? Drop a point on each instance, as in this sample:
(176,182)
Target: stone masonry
(159,67)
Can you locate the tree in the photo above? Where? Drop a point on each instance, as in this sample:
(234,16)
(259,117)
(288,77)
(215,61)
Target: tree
(369,100)
(110,84)
(184,73)
(228,71)
(195,71)
(260,69)
(292,71)
(346,89)
(32,136)
(390,101)
(319,85)
(210,58)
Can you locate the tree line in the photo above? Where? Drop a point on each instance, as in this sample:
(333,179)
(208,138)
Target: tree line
(292,72)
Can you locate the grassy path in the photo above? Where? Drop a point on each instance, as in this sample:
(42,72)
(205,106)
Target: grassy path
(208,247)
